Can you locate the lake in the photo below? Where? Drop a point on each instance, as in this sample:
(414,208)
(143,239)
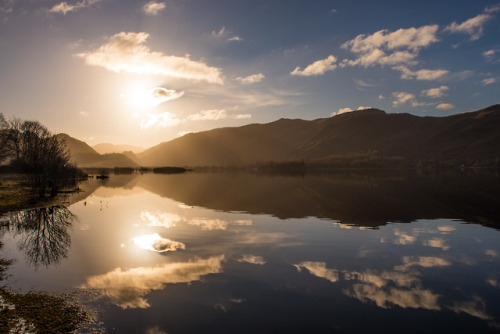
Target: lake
(378,252)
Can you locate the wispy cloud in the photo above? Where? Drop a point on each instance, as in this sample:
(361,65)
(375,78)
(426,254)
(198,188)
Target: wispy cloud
(347,109)
(6,7)
(423,74)
(489,81)
(163,120)
(254,78)
(219,33)
(445,106)
(317,68)
(214,115)
(153,8)
(252,259)
(235,39)
(126,52)
(434,93)
(473,26)
(64,7)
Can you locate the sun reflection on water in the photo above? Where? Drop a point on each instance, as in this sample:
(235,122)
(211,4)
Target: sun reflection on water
(154,242)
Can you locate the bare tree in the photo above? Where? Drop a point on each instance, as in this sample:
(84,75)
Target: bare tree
(45,237)
(4,128)
(42,156)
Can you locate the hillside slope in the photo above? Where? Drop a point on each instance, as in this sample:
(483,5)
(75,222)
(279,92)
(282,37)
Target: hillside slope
(472,135)
(83,155)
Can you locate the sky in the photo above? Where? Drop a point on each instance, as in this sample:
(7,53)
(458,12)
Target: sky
(145,72)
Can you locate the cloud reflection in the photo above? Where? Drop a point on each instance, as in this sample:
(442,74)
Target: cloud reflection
(209,224)
(154,242)
(127,287)
(402,287)
(166,220)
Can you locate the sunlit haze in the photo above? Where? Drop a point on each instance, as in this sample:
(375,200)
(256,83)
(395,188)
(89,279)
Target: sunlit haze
(145,72)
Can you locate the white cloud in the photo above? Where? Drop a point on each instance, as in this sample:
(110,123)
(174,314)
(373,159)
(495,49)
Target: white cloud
(398,49)
(6,6)
(424,74)
(473,26)
(84,114)
(214,115)
(434,93)
(347,109)
(445,106)
(219,33)
(163,120)
(235,39)
(489,81)
(252,259)
(64,7)
(126,52)
(381,97)
(489,53)
(411,39)
(390,48)
(153,8)
(317,68)
(492,8)
(127,287)
(254,78)
(403,98)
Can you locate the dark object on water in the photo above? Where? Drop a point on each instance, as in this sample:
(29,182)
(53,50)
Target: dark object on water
(102,177)
(169,170)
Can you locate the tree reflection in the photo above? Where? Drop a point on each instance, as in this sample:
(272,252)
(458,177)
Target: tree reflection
(44,233)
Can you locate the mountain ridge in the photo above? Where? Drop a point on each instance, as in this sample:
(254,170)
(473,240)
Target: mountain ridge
(470,135)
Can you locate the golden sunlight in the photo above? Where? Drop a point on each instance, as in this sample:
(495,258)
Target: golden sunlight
(154,242)
(140,96)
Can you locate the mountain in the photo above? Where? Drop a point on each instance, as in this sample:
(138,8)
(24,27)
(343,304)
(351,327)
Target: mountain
(106,148)
(460,137)
(85,156)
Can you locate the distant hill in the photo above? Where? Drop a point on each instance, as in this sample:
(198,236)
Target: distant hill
(106,148)
(85,156)
(370,132)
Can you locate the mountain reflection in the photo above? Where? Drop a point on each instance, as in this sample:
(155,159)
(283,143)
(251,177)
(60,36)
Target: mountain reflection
(127,288)
(368,199)
(45,238)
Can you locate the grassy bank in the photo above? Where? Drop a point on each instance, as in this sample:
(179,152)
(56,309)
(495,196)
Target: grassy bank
(16,194)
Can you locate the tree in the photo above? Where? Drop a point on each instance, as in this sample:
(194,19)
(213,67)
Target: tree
(35,151)
(42,156)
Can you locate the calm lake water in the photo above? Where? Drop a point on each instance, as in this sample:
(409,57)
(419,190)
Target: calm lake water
(244,253)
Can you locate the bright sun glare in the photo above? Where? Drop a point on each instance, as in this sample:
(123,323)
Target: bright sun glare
(154,242)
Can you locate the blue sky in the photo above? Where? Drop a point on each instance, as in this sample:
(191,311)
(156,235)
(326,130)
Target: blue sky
(143,72)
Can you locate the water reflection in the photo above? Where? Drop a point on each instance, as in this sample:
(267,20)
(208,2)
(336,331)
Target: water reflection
(371,199)
(44,233)
(127,287)
(154,242)
(172,249)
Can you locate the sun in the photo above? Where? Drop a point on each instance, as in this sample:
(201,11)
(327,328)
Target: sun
(144,97)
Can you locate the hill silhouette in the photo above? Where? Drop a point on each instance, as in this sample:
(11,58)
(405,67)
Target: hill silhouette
(85,156)
(105,148)
(471,136)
